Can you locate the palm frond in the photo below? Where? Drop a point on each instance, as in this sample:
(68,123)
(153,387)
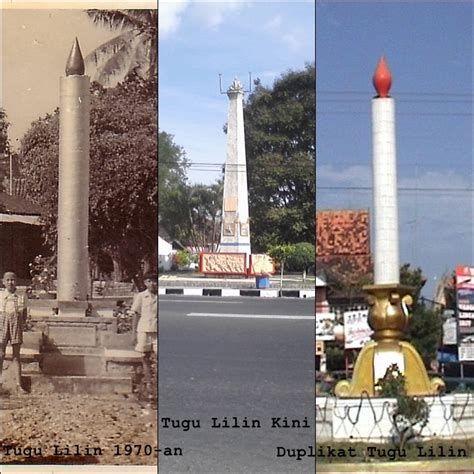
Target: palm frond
(123,19)
(104,51)
(117,66)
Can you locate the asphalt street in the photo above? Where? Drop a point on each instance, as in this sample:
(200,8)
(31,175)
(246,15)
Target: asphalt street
(242,361)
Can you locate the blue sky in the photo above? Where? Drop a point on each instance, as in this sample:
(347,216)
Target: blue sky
(199,40)
(429,49)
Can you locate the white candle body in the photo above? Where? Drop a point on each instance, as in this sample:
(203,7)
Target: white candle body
(385,208)
(73,192)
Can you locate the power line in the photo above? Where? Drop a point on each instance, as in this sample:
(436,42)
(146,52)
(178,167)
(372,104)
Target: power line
(401,188)
(410,114)
(398,94)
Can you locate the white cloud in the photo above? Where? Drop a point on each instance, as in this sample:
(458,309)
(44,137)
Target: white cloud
(170,16)
(213,14)
(292,41)
(273,23)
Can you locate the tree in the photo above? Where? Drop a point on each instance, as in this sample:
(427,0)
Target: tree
(172,165)
(134,49)
(302,257)
(191,214)
(281,253)
(4,147)
(426,327)
(280,148)
(123,175)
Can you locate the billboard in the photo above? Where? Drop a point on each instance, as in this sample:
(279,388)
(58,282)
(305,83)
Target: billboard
(465,311)
(357,331)
(325,323)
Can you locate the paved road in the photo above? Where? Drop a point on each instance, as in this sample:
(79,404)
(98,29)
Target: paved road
(248,358)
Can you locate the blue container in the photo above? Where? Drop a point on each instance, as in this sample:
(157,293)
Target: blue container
(262,282)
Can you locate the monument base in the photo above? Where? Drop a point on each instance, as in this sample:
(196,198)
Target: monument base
(365,371)
(80,354)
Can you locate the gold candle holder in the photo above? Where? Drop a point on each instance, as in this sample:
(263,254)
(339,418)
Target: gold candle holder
(389,317)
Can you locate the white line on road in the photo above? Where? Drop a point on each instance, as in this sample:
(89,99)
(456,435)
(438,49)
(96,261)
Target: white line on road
(254,316)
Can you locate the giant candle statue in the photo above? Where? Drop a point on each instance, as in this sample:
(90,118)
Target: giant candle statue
(73,194)
(235,234)
(385,213)
(389,302)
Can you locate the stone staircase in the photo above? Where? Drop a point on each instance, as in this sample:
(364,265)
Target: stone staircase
(76,355)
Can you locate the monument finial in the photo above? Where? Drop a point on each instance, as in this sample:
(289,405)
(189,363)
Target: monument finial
(382,78)
(75,61)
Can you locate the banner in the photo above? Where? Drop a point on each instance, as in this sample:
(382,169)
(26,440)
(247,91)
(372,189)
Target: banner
(465,311)
(357,331)
(325,323)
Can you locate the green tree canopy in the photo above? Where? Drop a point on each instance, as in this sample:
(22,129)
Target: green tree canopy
(123,173)
(192,214)
(280,147)
(426,327)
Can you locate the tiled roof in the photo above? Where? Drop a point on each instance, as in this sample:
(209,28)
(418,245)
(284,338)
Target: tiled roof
(344,232)
(343,245)
(12,204)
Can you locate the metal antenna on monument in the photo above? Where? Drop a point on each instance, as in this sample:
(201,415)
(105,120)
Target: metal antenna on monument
(225,92)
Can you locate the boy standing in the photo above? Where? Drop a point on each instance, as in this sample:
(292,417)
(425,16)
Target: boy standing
(145,322)
(12,318)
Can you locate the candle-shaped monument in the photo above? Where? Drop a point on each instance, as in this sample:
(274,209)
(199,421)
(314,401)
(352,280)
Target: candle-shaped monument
(235,235)
(389,302)
(73,192)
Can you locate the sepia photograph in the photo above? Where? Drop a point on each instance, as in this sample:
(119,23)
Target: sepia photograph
(79,238)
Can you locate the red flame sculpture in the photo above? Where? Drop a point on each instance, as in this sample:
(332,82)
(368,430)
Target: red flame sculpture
(382,78)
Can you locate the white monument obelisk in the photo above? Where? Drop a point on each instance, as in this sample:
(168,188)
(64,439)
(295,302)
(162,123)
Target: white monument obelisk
(235,232)
(73,193)
(386,259)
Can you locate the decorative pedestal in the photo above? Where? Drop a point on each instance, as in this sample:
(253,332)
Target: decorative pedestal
(389,318)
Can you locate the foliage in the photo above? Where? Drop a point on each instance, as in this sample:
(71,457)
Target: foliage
(172,165)
(410,412)
(123,174)
(192,214)
(392,384)
(4,125)
(426,326)
(124,316)
(43,273)
(133,50)
(4,147)
(281,253)
(182,258)
(280,148)
(335,358)
(302,258)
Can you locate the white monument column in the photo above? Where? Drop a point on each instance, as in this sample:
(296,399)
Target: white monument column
(73,193)
(385,210)
(235,232)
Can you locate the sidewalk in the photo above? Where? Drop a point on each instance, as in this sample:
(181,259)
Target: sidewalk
(191,283)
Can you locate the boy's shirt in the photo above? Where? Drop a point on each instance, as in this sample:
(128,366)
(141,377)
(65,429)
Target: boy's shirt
(11,303)
(145,304)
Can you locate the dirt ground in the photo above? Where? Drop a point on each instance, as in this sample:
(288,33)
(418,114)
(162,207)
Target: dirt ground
(53,428)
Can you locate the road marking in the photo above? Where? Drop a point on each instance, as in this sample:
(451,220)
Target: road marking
(252,316)
(199,301)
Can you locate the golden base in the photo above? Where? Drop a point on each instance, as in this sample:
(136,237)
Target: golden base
(416,376)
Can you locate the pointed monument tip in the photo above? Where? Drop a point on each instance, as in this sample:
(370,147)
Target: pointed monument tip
(75,61)
(382,78)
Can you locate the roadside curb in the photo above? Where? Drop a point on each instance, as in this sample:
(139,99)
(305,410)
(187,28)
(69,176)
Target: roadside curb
(267,293)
